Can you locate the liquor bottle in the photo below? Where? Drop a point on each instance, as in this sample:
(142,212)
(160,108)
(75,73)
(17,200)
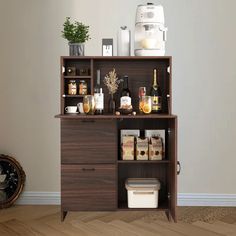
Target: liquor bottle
(98,96)
(156,94)
(125,96)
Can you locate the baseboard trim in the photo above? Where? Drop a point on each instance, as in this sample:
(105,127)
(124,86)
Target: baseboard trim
(202,199)
(39,198)
(184,199)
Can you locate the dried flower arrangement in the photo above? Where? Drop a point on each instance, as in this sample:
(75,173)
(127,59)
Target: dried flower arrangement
(111,81)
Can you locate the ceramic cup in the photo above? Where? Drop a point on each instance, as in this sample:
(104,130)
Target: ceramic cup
(71,109)
(80,107)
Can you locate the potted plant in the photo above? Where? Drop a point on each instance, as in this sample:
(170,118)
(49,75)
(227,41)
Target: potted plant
(77,34)
(111,81)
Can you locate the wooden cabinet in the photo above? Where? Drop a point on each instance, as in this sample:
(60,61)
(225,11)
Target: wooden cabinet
(93,173)
(88,187)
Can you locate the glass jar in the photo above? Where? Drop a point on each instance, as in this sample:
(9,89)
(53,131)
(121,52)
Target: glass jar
(145,105)
(142,92)
(72,87)
(89,104)
(83,87)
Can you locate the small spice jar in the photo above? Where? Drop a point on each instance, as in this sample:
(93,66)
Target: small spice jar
(83,87)
(72,87)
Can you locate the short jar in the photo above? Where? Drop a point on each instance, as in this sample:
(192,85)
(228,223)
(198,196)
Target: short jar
(83,87)
(72,87)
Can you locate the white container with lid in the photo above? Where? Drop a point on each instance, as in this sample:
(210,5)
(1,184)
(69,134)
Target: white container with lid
(142,192)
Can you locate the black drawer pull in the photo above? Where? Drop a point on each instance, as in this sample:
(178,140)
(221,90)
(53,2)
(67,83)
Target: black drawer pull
(88,169)
(88,121)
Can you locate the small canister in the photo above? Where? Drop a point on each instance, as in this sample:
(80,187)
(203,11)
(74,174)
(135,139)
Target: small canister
(72,87)
(83,87)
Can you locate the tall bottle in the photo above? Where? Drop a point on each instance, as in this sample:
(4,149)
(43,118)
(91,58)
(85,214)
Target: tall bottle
(98,95)
(125,96)
(156,94)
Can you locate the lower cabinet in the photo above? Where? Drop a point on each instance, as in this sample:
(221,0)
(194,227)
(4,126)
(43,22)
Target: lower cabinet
(88,187)
(93,174)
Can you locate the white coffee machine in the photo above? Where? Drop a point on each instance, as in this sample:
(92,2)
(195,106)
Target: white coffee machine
(150,32)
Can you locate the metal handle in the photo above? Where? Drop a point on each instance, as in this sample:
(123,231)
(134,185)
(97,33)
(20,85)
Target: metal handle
(179,168)
(88,169)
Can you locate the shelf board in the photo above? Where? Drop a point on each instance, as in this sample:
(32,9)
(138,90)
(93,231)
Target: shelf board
(115,57)
(77,77)
(110,116)
(72,96)
(143,162)
(123,206)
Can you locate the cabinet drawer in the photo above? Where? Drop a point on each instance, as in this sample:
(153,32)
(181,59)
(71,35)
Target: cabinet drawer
(88,141)
(89,187)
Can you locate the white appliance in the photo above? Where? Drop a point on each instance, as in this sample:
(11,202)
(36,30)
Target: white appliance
(123,41)
(150,31)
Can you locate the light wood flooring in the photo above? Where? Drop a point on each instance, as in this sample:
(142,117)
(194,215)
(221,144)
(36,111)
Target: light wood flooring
(45,220)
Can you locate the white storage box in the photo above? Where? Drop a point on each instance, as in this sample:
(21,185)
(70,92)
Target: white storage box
(142,192)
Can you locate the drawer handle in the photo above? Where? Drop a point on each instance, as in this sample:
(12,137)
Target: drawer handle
(87,121)
(88,169)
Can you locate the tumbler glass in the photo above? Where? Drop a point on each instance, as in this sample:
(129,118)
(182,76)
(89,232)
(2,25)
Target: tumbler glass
(89,104)
(145,104)
(141,93)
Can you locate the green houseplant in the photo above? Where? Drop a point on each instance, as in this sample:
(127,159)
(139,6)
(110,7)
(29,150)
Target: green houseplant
(77,34)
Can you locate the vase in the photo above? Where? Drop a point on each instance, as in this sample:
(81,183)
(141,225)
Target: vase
(76,49)
(111,104)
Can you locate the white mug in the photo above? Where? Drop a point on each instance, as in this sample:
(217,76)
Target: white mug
(71,109)
(80,107)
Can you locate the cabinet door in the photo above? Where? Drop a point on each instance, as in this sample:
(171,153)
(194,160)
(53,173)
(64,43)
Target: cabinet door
(88,187)
(88,141)
(172,150)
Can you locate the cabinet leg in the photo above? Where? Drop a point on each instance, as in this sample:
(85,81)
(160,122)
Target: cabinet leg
(63,215)
(174,217)
(168,215)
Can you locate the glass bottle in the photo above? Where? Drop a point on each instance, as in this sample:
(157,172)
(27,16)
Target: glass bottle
(98,96)
(125,96)
(156,94)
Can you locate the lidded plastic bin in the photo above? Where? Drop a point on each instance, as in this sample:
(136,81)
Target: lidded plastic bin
(142,192)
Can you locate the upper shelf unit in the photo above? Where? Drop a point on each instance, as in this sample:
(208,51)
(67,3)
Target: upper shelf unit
(138,69)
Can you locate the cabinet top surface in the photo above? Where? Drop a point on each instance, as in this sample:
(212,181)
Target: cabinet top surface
(117,57)
(94,117)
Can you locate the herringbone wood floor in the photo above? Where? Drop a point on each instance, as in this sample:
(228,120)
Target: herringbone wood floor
(45,220)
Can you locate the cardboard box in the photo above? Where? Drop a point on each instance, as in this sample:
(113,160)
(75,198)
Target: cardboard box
(127,148)
(142,149)
(156,148)
(129,132)
(157,133)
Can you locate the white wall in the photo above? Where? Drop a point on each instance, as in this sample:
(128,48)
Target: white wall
(201,39)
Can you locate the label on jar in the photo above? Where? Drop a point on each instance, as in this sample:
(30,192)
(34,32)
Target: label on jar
(156,103)
(99,101)
(125,101)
